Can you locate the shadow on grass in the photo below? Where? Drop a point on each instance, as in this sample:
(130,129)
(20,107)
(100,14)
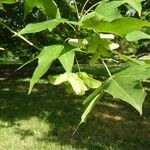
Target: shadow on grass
(110,124)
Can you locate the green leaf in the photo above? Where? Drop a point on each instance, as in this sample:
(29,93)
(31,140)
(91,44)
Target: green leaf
(89,81)
(136,4)
(108,10)
(131,61)
(37,27)
(90,19)
(100,48)
(58,79)
(75,23)
(8,1)
(76,83)
(91,100)
(80,82)
(88,109)
(1,6)
(95,57)
(101,52)
(126,85)
(45,58)
(98,91)
(137,35)
(128,59)
(93,43)
(67,58)
(121,26)
(49,7)
(68,88)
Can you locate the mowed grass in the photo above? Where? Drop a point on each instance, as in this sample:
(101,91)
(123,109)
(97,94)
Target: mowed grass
(46,119)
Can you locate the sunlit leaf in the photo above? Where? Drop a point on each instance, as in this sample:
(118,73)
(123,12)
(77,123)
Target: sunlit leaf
(8,1)
(76,83)
(49,7)
(91,100)
(132,61)
(137,35)
(126,85)
(100,48)
(90,19)
(89,81)
(1,6)
(58,79)
(93,43)
(37,27)
(67,58)
(45,58)
(109,10)
(128,59)
(80,82)
(93,60)
(98,91)
(89,109)
(136,4)
(76,23)
(121,26)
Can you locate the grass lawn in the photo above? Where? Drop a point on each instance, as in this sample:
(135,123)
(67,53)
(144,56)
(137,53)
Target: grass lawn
(46,119)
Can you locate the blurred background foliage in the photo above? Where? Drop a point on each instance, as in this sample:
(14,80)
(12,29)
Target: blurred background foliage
(17,50)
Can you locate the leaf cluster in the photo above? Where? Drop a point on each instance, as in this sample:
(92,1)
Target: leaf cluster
(105,23)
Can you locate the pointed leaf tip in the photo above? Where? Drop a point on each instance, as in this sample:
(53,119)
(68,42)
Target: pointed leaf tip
(126,85)
(45,59)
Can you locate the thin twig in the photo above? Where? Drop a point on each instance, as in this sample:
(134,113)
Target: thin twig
(82,11)
(71,26)
(78,64)
(113,60)
(106,68)
(20,36)
(90,9)
(26,63)
(77,10)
